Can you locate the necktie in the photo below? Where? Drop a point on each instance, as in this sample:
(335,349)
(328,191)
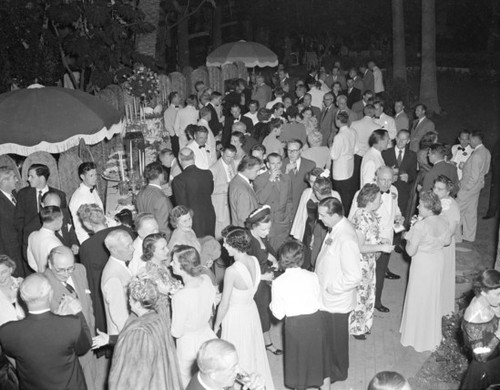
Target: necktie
(231,170)
(201,146)
(13,199)
(325,112)
(40,200)
(400,157)
(70,288)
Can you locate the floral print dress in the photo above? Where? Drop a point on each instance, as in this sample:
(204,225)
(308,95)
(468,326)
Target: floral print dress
(361,319)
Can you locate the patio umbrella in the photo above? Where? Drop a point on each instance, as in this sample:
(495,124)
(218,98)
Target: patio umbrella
(251,53)
(53,119)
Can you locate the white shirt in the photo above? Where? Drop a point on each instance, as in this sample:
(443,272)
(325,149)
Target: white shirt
(169,118)
(228,172)
(270,104)
(363,128)
(201,155)
(82,195)
(339,268)
(378,80)
(253,117)
(137,265)
(396,152)
(316,97)
(460,156)
(388,123)
(211,143)
(39,196)
(40,243)
(186,116)
(342,153)
(296,292)
(372,160)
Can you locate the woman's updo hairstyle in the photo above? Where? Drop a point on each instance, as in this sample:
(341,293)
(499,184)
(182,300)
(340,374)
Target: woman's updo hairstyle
(177,212)
(258,216)
(149,245)
(486,281)
(237,238)
(188,258)
(367,194)
(142,289)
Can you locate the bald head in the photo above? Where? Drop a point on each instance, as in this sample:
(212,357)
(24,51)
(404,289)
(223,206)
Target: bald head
(384,178)
(186,157)
(239,126)
(51,198)
(146,224)
(36,292)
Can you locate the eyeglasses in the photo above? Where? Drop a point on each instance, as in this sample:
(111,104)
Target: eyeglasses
(293,150)
(68,270)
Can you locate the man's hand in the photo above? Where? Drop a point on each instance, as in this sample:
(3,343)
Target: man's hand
(290,167)
(69,305)
(100,340)
(404,177)
(254,382)
(75,248)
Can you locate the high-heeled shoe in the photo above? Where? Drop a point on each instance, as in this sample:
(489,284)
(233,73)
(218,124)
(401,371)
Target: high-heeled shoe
(274,351)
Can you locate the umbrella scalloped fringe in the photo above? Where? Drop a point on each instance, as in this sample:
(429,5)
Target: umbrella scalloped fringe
(59,147)
(253,64)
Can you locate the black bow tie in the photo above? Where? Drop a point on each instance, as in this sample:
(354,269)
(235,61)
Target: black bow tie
(201,146)
(92,189)
(385,192)
(176,106)
(460,148)
(376,117)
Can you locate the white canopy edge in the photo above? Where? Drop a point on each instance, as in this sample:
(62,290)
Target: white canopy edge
(60,147)
(251,64)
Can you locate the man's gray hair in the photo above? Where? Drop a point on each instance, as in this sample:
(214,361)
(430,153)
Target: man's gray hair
(212,355)
(35,288)
(114,237)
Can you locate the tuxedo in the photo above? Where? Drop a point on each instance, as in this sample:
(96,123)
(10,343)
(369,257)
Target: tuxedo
(152,199)
(220,198)
(242,200)
(193,188)
(326,125)
(418,130)
(9,243)
(228,124)
(408,165)
(298,179)
(45,347)
(353,96)
(27,207)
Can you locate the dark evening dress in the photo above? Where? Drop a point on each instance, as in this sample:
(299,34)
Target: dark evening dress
(314,234)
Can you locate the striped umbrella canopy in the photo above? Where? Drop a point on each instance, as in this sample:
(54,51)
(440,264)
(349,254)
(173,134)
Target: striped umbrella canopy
(53,120)
(251,53)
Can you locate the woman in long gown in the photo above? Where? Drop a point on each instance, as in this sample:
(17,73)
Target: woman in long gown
(144,357)
(192,307)
(237,313)
(259,225)
(482,333)
(421,322)
(365,222)
(451,211)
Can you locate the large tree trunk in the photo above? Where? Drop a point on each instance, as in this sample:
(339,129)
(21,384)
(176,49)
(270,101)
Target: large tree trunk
(398,41)
(494,35)
(216,26)
(183,42)
(146,43)
(428,75)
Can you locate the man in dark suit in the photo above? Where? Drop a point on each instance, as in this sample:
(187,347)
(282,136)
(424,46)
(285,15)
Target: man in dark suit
(151,199)
(420,126)
(193,188)
(359,106)
(405,160)
(9,243)
(368,79)
(29,198)
(353,94)
(308,103)
(242,197)
(45,345)
(297,168)
(69,278)
(230,119)
(67,233)
(440,167)
(213,105)
(326,122)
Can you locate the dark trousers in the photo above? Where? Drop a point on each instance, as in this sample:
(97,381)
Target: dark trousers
(346,190)
(356,176)
(380,270)
(337,338)
(174,141)
(494,190)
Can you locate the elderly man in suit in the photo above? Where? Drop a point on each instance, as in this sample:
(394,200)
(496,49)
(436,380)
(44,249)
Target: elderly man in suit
(193,188)
(223,172)
(242,197)
(372,160)
(326,121)
(9,243)
(274,188)
(152,199)
(29,199)
(115,279)
(68,278)
(297,167)
(401,119)
(440,167)
(389,215)
(404,161)
(473,173)
(420,126)
(45,345)
(339,272)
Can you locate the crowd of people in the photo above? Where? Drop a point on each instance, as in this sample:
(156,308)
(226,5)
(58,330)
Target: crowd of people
(273,203)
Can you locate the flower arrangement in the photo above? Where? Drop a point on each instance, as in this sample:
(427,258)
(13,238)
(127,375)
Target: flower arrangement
(144,84)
